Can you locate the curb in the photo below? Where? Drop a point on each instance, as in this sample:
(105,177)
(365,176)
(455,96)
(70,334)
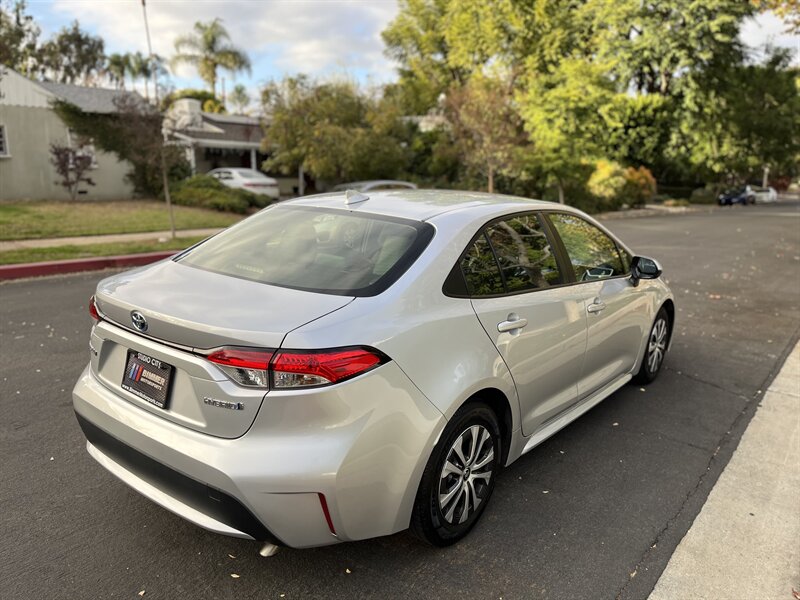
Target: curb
(77,265)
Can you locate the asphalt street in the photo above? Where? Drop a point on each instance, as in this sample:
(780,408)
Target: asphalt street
(594,512)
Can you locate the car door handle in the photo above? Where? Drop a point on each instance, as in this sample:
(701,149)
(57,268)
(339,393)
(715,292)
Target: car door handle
(596,306)
(513,322)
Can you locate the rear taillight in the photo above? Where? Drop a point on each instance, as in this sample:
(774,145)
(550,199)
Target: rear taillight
(300,368)
(292,369)
(93,309)
(245,366)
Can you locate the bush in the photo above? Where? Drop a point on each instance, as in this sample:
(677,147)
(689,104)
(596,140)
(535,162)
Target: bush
(704,195)
(204,191)
(607,183)
(639,188)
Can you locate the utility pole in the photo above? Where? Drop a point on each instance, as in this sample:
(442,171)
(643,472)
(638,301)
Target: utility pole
(164,175)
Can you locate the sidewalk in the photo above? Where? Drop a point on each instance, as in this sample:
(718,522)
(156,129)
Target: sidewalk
(86,240)
(745,543)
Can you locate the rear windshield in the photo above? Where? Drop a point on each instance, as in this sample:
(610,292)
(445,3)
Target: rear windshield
(320,250)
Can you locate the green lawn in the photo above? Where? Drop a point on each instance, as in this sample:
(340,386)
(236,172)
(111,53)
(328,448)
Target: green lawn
(35,220)
(29,255)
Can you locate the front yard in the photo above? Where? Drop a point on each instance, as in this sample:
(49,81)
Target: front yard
(38,220)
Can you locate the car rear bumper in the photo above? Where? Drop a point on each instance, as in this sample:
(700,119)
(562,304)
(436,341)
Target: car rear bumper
(363,444)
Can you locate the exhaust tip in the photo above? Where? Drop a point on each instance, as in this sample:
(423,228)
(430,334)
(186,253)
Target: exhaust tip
(269,550)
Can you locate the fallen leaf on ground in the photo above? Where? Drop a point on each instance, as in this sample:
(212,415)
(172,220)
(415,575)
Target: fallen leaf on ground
(614,424)
(234,575)
(142,593)
(231,556)
(347,571)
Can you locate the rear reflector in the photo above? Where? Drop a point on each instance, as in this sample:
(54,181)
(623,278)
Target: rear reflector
(324,503)
(93,309)
(298,368)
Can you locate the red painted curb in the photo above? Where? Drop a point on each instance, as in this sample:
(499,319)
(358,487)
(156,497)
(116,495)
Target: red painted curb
(77,265)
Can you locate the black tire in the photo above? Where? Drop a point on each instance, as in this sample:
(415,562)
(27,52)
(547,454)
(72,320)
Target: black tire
(657,342)
(429,521)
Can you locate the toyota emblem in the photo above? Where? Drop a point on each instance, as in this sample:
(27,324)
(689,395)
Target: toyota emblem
(138,320)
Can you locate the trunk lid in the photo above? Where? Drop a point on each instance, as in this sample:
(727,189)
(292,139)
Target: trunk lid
(189,309)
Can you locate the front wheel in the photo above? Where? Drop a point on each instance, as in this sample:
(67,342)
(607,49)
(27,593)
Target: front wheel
(459,477)
(656,349)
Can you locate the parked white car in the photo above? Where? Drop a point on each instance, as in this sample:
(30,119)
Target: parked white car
(767,194)
(375,185)
(248,179)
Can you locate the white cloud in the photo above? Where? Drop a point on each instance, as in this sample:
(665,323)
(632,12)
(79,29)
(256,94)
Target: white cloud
(317,37)
(767,28)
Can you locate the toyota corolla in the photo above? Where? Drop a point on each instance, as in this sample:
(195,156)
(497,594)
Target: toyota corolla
(344,366)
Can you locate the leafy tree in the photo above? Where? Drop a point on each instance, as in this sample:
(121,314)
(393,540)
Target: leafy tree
(141,67)
(72,165)
(209,49)
(486,124)
(729,132)
(651,44)
(566,114)
(19,36)
(72,56)
(416,40)
(330,129)
(239,98)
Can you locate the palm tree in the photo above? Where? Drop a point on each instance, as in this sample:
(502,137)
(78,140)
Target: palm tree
(117,67)
(208,49)
(141,67)
(239,98)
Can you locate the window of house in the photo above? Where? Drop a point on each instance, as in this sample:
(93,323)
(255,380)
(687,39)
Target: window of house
(3,142)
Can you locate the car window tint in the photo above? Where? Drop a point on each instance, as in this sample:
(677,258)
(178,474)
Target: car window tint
(593,254)
(333,252)
(526,259)
(480,270)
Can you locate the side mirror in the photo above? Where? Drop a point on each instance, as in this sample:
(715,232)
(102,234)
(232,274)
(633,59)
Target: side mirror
(644,268)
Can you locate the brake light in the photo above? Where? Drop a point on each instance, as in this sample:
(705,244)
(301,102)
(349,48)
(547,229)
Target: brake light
(301,368)
(93,309)
(287,369)
(246,366)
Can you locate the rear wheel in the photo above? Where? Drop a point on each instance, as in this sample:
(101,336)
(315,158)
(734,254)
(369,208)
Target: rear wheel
(656,349)
(459,477)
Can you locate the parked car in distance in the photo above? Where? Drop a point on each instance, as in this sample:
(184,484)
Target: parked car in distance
(740,195)
(341,367)
(247,179)
(765,195)
(378,184)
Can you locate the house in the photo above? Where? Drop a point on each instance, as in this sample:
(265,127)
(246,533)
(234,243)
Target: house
(28,126)
(213,140)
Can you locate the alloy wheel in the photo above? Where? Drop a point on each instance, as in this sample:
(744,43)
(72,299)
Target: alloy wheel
(657,345)
(465,475)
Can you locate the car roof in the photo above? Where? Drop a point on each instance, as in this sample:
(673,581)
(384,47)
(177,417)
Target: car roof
(361,185)
(422,205)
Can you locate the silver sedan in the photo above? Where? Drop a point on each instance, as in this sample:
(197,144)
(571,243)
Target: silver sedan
(344,366)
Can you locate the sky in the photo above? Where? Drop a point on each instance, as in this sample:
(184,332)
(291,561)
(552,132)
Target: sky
(322,38)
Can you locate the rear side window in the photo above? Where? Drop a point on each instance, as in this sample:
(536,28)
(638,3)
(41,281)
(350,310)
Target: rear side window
(318,250)
(593,254)
(512,255)
(480,270)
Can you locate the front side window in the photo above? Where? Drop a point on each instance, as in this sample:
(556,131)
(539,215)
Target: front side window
(325,251)
(526,259)
(593,254)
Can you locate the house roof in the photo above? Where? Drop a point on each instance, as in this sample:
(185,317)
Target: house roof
(88,99)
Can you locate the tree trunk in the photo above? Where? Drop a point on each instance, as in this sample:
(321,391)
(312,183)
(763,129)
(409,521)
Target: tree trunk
(146,90)
(491,180)
(561,193)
